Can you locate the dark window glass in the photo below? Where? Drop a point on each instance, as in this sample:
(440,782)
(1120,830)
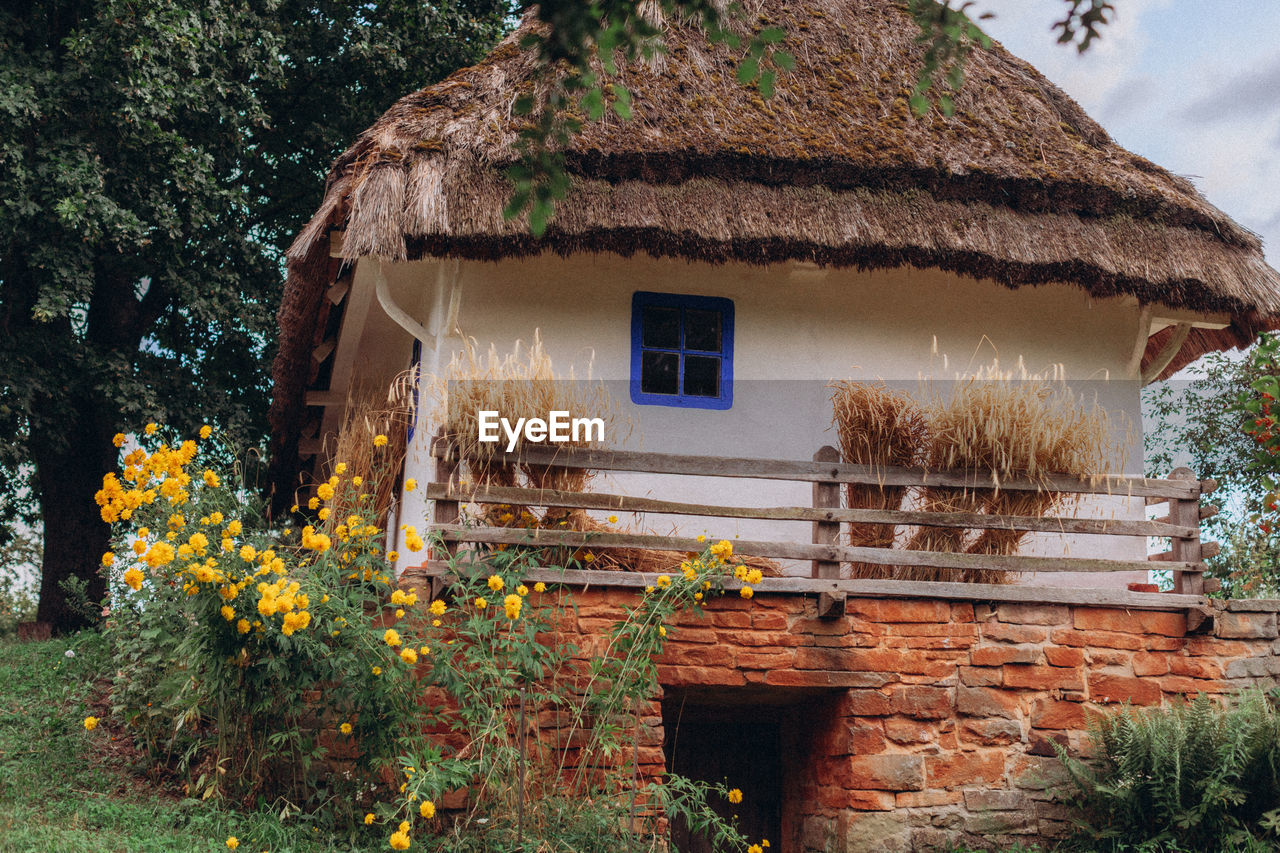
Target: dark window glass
(661,328)
(702,376)
(660,372)
(702,330)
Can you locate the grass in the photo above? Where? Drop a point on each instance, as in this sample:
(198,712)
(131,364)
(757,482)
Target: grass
(62,788)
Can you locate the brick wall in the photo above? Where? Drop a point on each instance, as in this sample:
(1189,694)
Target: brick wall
(916,723)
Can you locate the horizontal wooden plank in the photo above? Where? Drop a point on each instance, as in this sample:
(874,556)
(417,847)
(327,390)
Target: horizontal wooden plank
(1206,511)
(974,520)
(833,472)
(795,550)
(863,588)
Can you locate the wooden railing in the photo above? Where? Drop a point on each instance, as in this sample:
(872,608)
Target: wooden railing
(1181,526)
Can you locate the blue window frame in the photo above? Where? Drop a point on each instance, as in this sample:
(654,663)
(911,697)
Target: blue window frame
(681,350)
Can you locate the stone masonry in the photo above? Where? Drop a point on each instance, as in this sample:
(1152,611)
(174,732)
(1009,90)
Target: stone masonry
(934,718)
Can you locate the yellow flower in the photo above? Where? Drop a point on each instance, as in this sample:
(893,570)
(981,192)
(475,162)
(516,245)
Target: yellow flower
(404,824)
(663,581)
(427,809)
(588,557)
(133,577)
(369,819)
(481,604)
(356,481)
(151,429)
(108,558)
(746,592)
(410,484)
(392,556)
(495,583)
(723,549)
(400,840)
(234,528)
(242,627)
(398,597)
(324,492)
(702,537)
(755,848)
(539,587)
(340,469)
(438,607)
(399,612)
(227,613)
(662,630)
(206,431)
(377,670)
(118,439)
(248,553)
(313,503)
(755,576)
(345,728)
(323,515)
(522,590)
(409,656)
(391,637)
(735,796)
(90,723)
(233,843)
(211,479)
(613,519)
(379,440)
(412,540)
(764,842)
(512,604)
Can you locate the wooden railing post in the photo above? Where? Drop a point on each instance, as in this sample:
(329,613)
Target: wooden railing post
(826,495)
(444,511)
(1187,512)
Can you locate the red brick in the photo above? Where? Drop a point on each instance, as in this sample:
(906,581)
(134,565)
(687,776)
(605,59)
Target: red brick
(694,655)
(1130,621)
(1242,626)
(962,612)
(1120,688)
(1033,614)
(889,772)
(1115,640)
(1063,656)
(1050,714)
(930,703)
(866,703)
(886,610)
(964,768)
(866,737)
(730,619)
(1150,663)
(765,660)
(681,676)
(821,678)
(979,676)
(1000,632)
(986,702)
(1110,657)
(865,801)
(769,621)
(889,660)
(1195,668)
(992,732)
(923,799)
(1182,685)
(907,730)
(751,637)
(1211,646)
(1032,677)
(1002,654)
(957,643)
(927,629)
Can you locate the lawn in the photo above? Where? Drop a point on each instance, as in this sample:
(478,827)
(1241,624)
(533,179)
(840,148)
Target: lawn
(65,789)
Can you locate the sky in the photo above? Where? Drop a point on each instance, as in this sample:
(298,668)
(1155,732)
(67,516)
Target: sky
(1192,85)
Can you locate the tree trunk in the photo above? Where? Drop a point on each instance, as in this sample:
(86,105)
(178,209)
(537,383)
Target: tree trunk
(70,467)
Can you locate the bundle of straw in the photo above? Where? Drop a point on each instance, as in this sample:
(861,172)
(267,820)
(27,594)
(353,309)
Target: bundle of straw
(370,414)
(1011,424)
(879,428)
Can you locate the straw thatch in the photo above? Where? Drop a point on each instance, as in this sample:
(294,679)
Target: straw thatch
(1020,186)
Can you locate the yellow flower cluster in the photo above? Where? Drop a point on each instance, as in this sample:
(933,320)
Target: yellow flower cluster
(400,838)
(285,598)
(512,604)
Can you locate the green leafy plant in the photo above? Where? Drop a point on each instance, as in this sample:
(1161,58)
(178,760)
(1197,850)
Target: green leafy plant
(1191,777)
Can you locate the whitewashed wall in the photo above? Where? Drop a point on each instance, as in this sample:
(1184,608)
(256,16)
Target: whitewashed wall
(796,328)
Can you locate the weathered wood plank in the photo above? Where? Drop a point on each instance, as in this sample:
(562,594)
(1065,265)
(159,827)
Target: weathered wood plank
(839,472)
(973,520)
(795,550)
(881,589)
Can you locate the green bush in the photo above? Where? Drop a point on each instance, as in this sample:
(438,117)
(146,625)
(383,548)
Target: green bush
(1193,777)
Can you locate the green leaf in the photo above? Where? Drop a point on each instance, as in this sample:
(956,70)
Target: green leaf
(772,35)
(622,101)
(766,84)
(919,105)
(748,69)
(784,60)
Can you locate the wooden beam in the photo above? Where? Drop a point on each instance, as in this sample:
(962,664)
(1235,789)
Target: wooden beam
(863,588)
(796,551)
(1167,353)
(838,472)
(975,520)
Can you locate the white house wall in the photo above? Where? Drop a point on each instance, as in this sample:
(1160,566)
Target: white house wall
(796,328)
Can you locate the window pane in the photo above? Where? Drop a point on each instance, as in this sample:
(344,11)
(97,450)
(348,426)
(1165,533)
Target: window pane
(661,328)
(701,376)
(659,372)
(702,330)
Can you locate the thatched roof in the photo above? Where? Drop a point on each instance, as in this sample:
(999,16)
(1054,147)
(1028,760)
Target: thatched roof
(1020,186)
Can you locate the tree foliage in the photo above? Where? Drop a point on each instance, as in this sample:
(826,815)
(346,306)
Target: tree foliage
(155,158)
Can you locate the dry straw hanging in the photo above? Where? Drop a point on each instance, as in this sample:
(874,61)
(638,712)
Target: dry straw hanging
(879,428)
